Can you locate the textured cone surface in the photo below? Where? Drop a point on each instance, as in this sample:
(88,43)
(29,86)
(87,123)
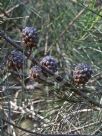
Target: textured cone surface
(15,60)
(50,63)
(30,37)
(35,73)
(82,73)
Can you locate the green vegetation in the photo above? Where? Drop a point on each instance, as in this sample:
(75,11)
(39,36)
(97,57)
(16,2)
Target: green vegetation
(71,31)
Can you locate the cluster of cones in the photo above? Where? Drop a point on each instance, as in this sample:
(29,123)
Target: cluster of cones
(81,73)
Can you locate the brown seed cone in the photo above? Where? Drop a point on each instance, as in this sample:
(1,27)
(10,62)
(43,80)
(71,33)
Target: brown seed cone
(15,60)
(35,73)
(29,37)
(82,74)
(50,63)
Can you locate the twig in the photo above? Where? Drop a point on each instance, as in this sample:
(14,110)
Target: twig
(88,125)
(72,22)
(83,95)
(46,44)
(8,17)
(82,111)
(82,5)
(26,110)
(5,13)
